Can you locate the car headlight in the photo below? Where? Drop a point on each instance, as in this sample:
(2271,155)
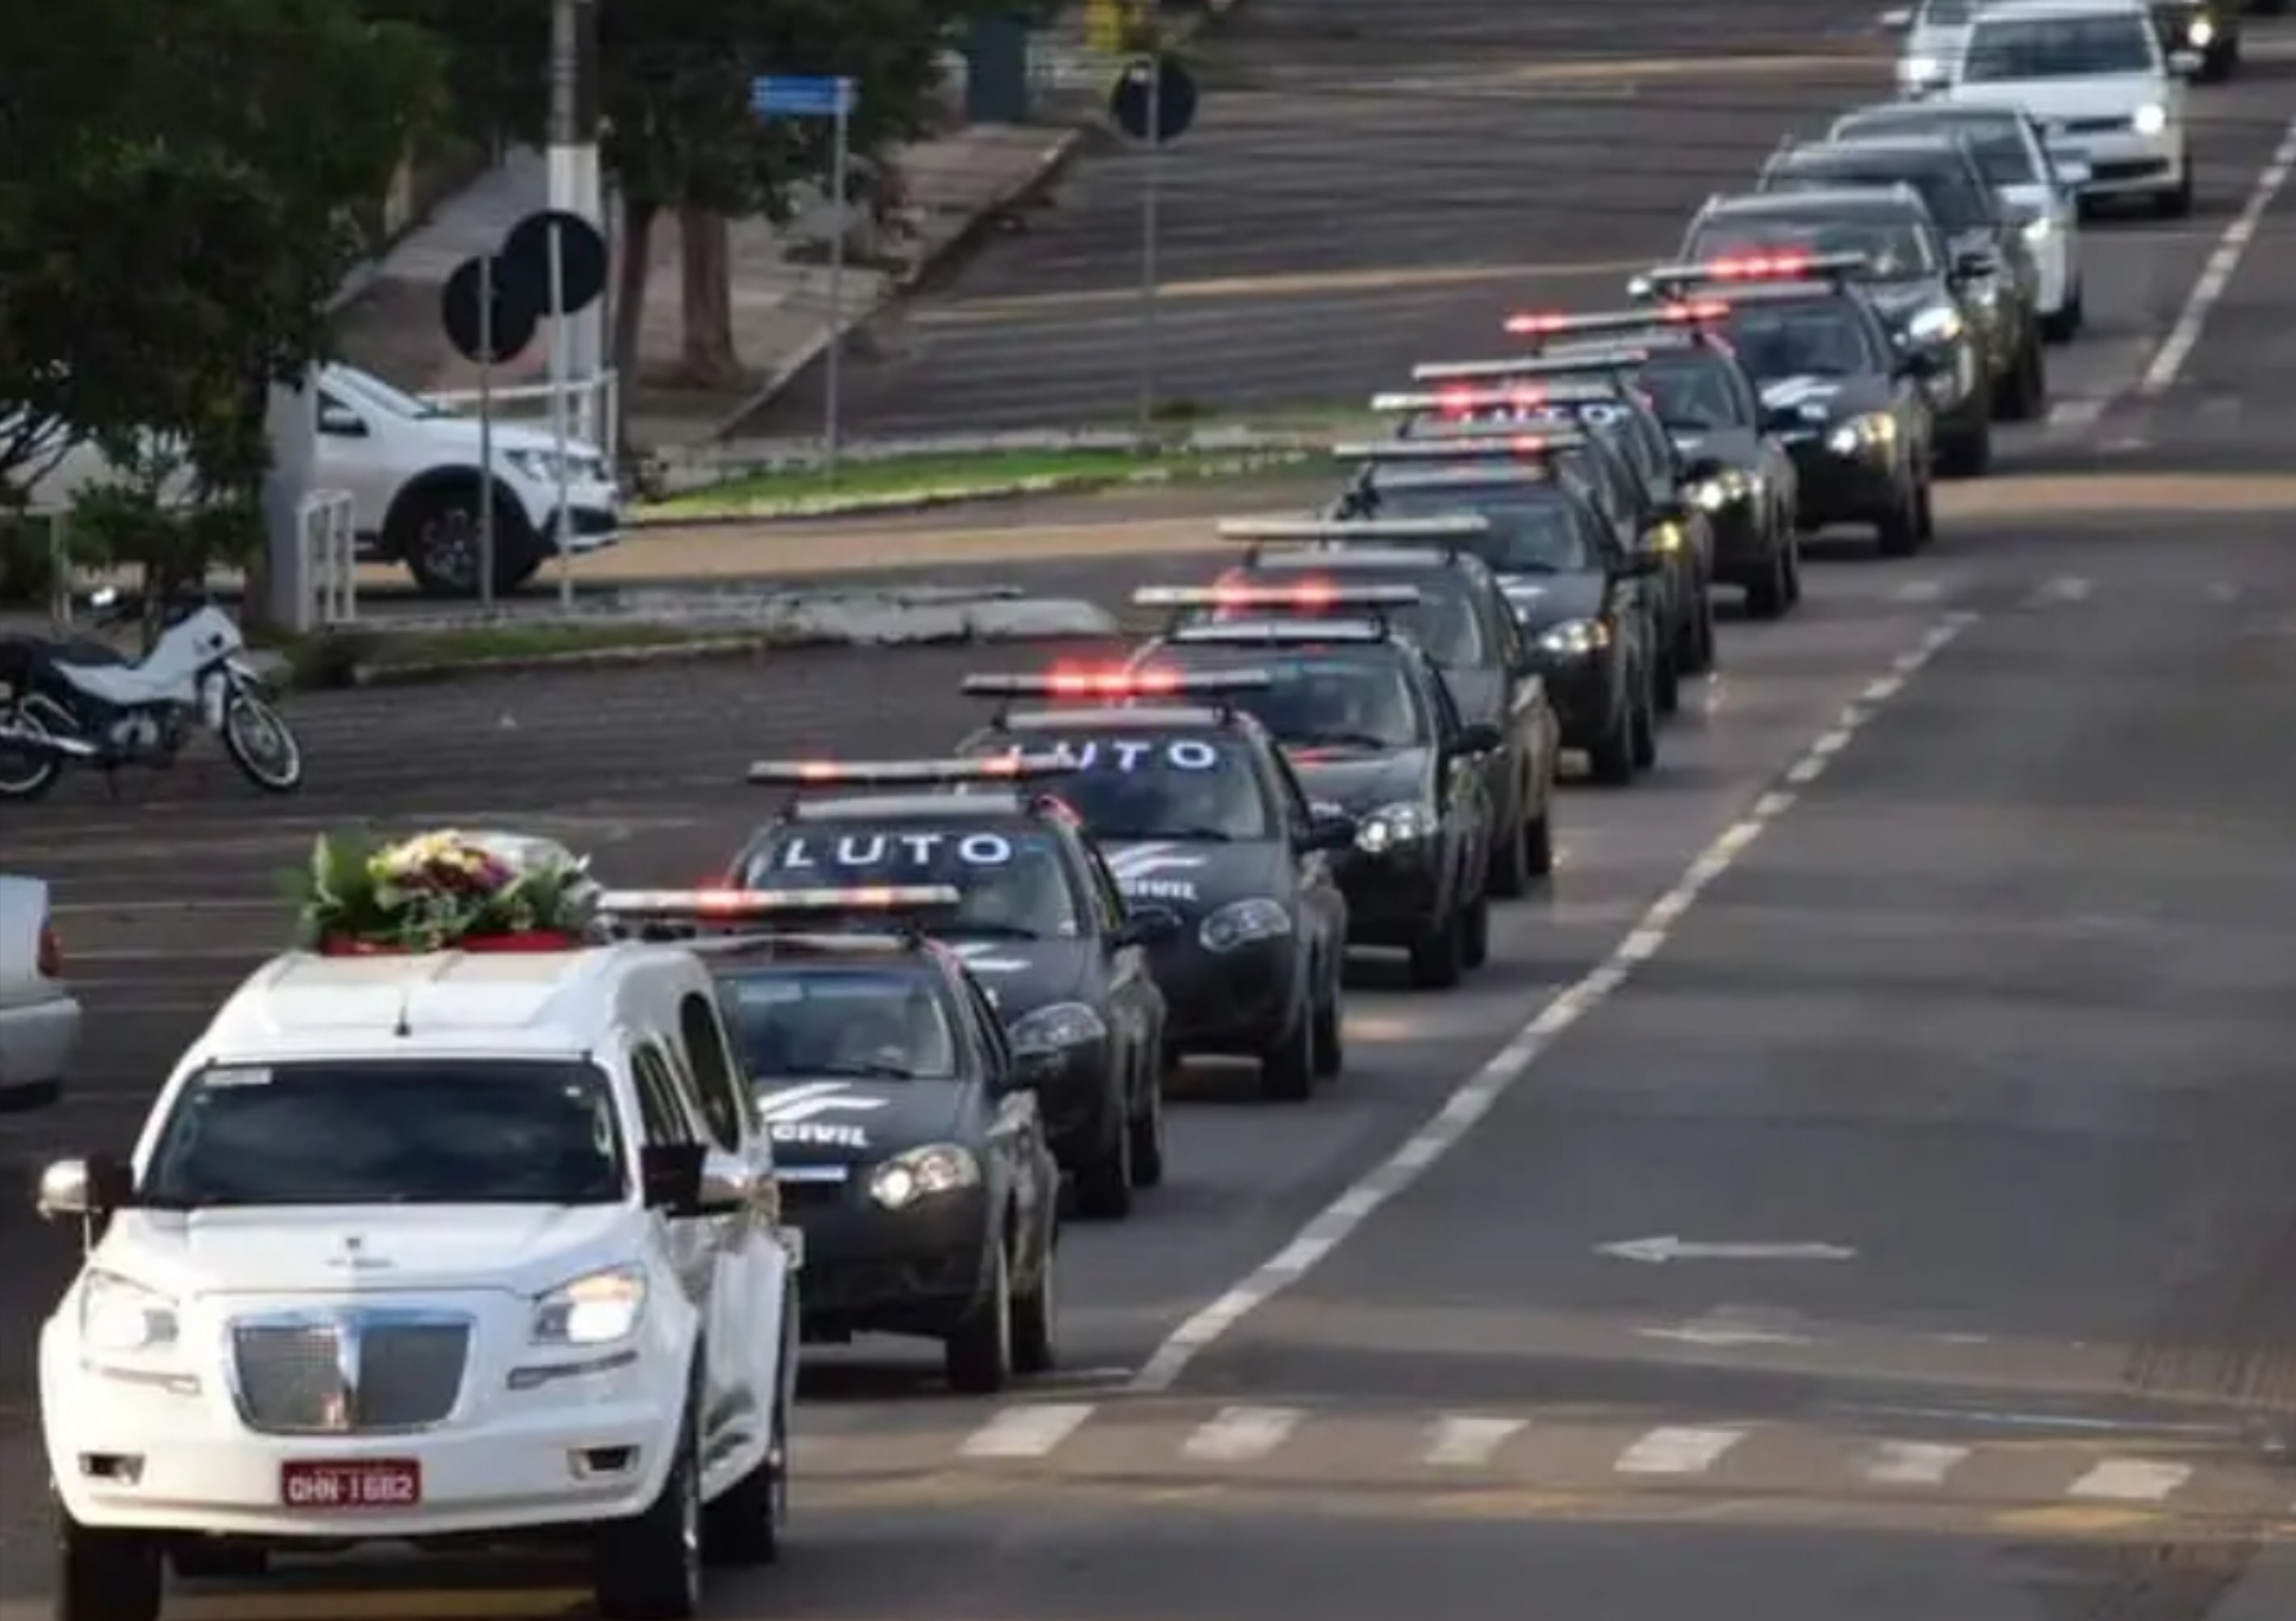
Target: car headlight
(1056,1029)
(1712,494)
(1667,537)
(1392,826)
(2200,33)
(1921,70)
(1577,639)
(595,1309)
(1863,433)
(920,1173)
(2150,120)
(1939,323)
(1243,922)
(119,1317)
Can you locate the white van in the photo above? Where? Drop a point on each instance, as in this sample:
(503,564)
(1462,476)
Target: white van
(413,1247)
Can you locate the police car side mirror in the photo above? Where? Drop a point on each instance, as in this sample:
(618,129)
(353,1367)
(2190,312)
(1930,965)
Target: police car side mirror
(1481,737)
(669,1174)
(82,1190)
(1146,925)
(1919,364)
(1329,830)
(1972,267)
(1781,419)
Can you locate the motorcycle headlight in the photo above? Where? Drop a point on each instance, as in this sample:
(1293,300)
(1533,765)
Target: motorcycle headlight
(595,1309)
(921,1173)
(1243,922)
(119,1317)
(2150,120)
(1861,433)
(1056,1029)
(1939,323)
(1577,639)
(1392,826)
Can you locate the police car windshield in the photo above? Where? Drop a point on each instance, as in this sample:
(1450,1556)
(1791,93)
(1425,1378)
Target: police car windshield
(1013,878)
(2005,48)
(1819,339)
(1442,620)
(1692,393)
(1358,699)
(1142,785)
(1895,249)
(389,1132)
(1938,175)
(2002,151)
(837,1022)
(1533,528)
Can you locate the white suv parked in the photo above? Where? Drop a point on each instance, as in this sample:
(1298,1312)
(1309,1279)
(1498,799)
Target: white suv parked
(412,472)
(417,1248)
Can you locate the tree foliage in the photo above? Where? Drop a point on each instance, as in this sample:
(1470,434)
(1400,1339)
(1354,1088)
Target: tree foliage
(179,211)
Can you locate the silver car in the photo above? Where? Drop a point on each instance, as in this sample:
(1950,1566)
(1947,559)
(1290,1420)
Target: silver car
(1934,34)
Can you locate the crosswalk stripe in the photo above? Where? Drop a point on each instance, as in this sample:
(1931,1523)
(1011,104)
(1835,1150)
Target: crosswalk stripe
(1240,1434)
(1463,1440)
(1027,1432)
(1675,1450)
(2131,1479)
(1913,1462)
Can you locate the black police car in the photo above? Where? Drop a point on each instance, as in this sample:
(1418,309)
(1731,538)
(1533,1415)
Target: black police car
(1368,726)
(1597,668)
(1629,466)
(907,1143)
(1199,817)
(1886,241)
(1733,469)
(1848,403)
(1990,251)
(1462,620)
(2204,33)
(1040,923)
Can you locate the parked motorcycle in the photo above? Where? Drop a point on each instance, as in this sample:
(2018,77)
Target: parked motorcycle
(84,701)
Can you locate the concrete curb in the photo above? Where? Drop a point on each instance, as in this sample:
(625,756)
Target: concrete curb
(789,623)
(1050,165)
(932,500)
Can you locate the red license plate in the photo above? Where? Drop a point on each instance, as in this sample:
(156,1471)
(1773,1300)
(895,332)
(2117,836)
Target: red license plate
(365,1483)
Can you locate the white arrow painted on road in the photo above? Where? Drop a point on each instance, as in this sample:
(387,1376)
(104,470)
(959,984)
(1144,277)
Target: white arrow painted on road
(1658,1251)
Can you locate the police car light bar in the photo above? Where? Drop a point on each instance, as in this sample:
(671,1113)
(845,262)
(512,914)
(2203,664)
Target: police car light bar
(1559,431)
(1513,476)
(1783,267)
(1527,396)
(1609,357)
(1264,531)
(1466,448)
(1690,314)
(1117,684)
(745,905)
(891,774)
(1316,596)
(1259,633)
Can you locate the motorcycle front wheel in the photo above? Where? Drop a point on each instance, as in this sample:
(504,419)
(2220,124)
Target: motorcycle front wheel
(257,737)
(27,769)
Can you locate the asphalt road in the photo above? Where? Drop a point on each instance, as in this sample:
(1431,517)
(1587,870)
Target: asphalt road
(1977,1007)
(1371,184)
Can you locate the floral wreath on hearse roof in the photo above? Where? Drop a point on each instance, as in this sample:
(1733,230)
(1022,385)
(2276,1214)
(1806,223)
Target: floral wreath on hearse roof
(442,891)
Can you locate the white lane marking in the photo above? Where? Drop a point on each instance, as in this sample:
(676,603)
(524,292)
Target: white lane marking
(1027,1432)
(1677,1451)
(1238,1435)
(2065,588)
(1475,1095)
(2177,347)
(2130,1480)
(1919,591)
(1463,1440)
(2076,413)
(1913,1462)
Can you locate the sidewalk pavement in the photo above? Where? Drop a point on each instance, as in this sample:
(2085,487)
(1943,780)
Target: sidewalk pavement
(956,186)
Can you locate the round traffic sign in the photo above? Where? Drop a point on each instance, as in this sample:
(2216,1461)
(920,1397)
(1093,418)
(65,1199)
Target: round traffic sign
(498,335)
(1153,98)
(581,261)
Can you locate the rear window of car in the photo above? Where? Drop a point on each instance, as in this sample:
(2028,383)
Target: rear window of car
(2003,152)
(1955,200)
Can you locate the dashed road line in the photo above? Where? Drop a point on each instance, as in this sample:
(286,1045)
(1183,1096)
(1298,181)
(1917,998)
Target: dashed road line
(2131,1480)
(1463,1441)
(1481,1091)
(2217,274)
(1032,1431)
(1913,1462)
(1240,1434)
(1678,1450)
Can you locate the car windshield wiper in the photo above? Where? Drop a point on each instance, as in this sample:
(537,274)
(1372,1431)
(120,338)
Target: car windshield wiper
(863,1071)
(1199,835)
(1528,565)
(990,930)
(1337,740)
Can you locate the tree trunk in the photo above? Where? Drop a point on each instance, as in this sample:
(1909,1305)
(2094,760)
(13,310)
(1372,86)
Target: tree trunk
(629,308)
(705,287)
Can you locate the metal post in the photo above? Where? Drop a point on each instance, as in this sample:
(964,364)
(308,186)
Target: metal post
(575,180)
(487,433)
(831,380)
(1151,203)
(561,408)
(292,425)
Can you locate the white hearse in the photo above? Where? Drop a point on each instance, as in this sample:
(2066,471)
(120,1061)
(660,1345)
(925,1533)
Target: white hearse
(429,1248)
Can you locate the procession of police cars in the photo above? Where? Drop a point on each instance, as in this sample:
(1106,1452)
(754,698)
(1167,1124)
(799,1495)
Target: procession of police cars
(930,1012)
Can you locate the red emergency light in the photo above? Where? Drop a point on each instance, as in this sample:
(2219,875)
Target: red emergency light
(718,906)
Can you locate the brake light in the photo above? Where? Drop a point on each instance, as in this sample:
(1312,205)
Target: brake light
(1697,310)
(1759,266)
(1466,401)
(1313,595)
(49,962)
(1114,683)
(1532,326)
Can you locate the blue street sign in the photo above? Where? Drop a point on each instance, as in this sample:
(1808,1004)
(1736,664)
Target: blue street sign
(801,97)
